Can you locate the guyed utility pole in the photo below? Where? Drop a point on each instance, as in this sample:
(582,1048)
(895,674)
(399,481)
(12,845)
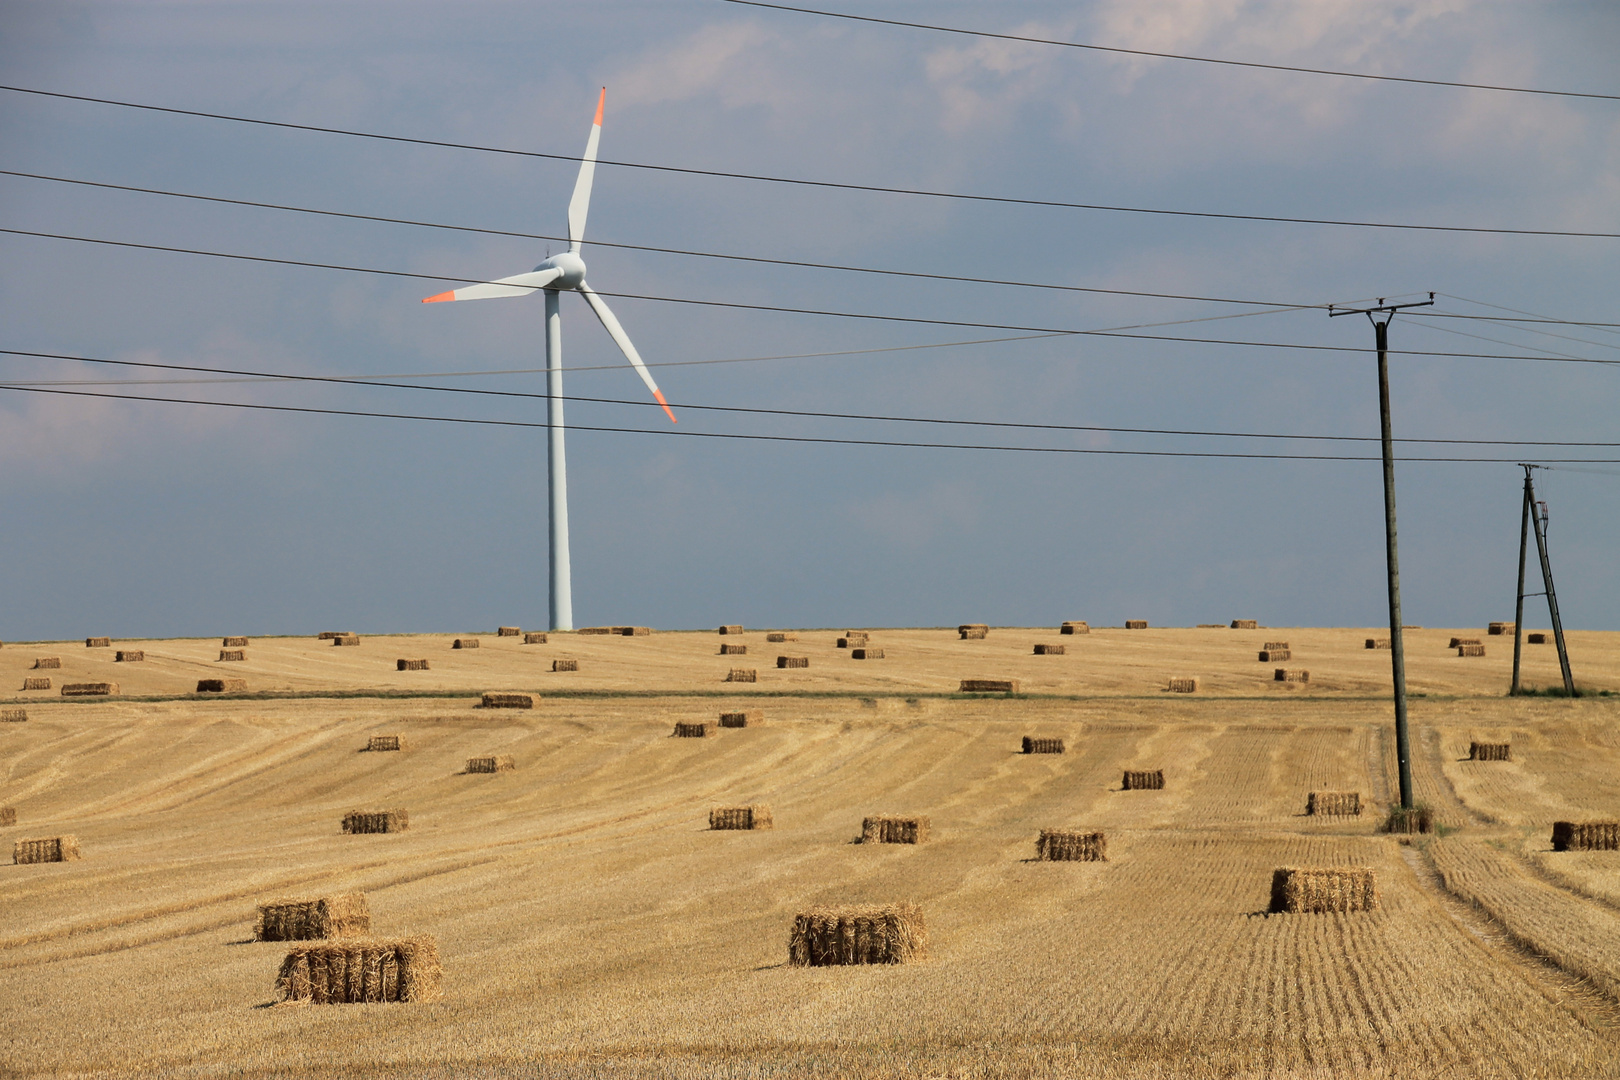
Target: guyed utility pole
(1536,514)
(1397,653)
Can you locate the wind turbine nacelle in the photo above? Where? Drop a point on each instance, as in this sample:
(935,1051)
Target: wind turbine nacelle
(571,266)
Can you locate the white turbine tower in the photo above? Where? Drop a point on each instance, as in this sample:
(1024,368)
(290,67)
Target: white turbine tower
(564,271)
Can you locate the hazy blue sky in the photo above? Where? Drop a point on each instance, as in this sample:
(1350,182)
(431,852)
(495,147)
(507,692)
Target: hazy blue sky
(144,519)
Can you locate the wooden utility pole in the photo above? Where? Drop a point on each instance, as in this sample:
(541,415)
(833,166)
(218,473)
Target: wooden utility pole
(1535,515)
(1397,651)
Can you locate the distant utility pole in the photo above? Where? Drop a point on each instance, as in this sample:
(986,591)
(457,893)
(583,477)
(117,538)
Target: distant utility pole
(1536,514)
(1397,652)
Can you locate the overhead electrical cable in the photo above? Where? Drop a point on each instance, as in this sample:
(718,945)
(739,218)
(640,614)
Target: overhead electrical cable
(826,184)
(757,411)
(825,440)
(1368,76)
(1116,332)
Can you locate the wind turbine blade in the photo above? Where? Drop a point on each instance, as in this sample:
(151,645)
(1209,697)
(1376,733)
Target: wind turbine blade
(581,202)
(519,285)
(616,332)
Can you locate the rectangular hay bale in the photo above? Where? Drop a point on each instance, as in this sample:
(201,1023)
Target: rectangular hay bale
(221,686)
(1270,645)
(1079,627)
(1245,624)
(866,652)
(595,630)
(464,643)
(355,970)
(741,817)
(492,764)
(733,650)
(376,821)
(1136,624)
(506,701)
(338,915)
(690,731)
(332,635)
(868,934)
(988,686)
(508,631)
(45,849)
(792,661)
(565,665)
(895,830)
(731,628)
(1143,780)
(1291,675)
(534,638)
(1536,639)
(36,682)
(98,643)
(385,742)
(1586,836)
(13,716)
(1049,650)
(1318,890)
(8,815)
(779,638)
(1067,845)
(1272,656)
(1497,629)
(234,643)
(1378,643)
(1182,685)
(740,674)
(1333,803)
(1033,745)
(43,663)
(129,656)
(1486,751)
(227,655)
(88,689)
(1458,641)
(1470,650)
(742,719)
(973,633)
(346,639)
(410,665)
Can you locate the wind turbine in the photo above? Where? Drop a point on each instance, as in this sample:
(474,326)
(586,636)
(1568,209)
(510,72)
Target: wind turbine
(559,272)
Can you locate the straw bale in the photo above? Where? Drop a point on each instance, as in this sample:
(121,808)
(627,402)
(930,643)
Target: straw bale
(869,934)
(853,639)
(234,643)
(973,633)
(1497,629)
(346,639)
(731,628)
(1378,643)
(1245,624)
(1277,645)
(988,686)
(866,652)
(1316,890)
(1050,650)
(1143,780)
(464,643)
(129,656)
(1271,656)
(596,630)
(47,849)
(507,701)
(508,631)
(690,731)
(97,643)
(565,665)
(1537,639)
(1470,650)
(410,665)
(43,662)
(332,635)
(972,626)
(1456,642)
(1081,627)
(232,654)
(634,631)
(362,970)
(1416,819)
(13,716)
(1034,745)
(894,830)
(780,638)
(339,915)
(742,719)
(1136,624)
(742,674)
(1488,751)
(494,763)
(88,689)
(8,815)
(1066,845)
(741,817)
(36,682)
(386,742)
(376,821)
(1586,836)
(1210,626)
(535,638)
(792,661)
(1291,675)
(1183,685)
(221,686)
(733,650)
(1334,803)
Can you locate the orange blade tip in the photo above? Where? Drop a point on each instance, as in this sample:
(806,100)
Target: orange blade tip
(659,394)
(601,99)
(439,298)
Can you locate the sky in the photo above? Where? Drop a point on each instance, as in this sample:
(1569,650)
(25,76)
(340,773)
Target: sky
(157,519)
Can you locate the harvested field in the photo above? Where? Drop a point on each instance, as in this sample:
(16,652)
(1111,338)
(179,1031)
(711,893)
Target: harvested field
(866,652)
(727,649)
(234,643)
(1042,649)
(534,638)
(690,731)
(777,637)
(221,686)
(506,701)
(895,830)
(386,742)
(89,689)
(1245,624)
(464,643)
(1035,745)
(1586,836)
(1320,890)
(741,817)
(1080,627)
(1481,751)
(358,970)
(738,674)
(227,655)
(1299,675)
(49,849)
(45,663)
(1183,685)
(988,686)
(36,682)
(742,719)
(129,656)
(376,821)
(565,665)
(868,934)
(410,665)
(1143,780)
(339,915)
(509,631)
(792,661)
(494,763)
(1334,803)
(1067,845)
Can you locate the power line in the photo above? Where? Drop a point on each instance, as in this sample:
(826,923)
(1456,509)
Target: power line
(1117,332)
(1179,56)
(826,184)
(287,377)
(822,440)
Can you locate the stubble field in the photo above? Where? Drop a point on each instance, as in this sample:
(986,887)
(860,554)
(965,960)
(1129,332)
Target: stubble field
(591,924)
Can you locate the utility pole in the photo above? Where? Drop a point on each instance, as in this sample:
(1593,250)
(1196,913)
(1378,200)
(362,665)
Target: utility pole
(1397,651)
(1518,606)
(1535,515)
